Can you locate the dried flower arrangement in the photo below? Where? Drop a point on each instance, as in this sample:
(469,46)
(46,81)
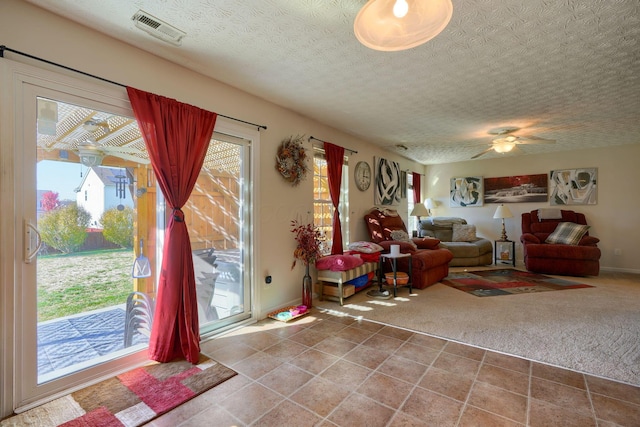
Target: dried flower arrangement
(309,239)
(291,160)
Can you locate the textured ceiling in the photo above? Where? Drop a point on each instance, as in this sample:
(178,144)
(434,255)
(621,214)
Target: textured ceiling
(565,70)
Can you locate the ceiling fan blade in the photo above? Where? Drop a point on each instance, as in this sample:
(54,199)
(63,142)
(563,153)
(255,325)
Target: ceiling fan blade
(483,153)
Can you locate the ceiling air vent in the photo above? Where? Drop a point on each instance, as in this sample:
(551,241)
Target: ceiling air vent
(158,28)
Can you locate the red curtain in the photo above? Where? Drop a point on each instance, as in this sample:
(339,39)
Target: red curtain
(416,188)
(335,158)
(177,136)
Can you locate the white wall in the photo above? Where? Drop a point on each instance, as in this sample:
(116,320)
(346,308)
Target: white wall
(35,31)
(613,220)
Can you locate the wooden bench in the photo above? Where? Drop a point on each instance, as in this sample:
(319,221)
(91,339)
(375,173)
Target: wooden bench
(340,277)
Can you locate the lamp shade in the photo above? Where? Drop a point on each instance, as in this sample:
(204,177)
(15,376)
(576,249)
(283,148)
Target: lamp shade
(429,203)
(502,212)
(419,210)
(391,25)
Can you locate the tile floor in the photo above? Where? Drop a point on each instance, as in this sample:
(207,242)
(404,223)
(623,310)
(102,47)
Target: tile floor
(324,370)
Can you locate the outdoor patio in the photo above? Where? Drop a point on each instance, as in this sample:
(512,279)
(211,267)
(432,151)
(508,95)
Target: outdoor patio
(84,338)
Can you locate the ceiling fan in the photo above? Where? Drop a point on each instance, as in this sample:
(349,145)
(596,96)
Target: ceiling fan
(99,139)
(507,139)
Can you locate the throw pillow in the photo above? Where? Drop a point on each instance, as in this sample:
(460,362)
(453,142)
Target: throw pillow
(464,233)
(402,236)
(427,243)
(567,233)
(339,262)
(365,247)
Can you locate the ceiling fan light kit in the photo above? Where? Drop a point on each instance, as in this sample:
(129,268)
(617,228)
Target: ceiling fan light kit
(392,25)
(507,141)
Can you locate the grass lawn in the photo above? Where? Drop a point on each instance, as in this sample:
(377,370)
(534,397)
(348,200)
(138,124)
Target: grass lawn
(75,283)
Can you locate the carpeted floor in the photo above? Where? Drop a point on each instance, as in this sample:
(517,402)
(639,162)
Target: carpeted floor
(592,330)
(131,399)
(507,281)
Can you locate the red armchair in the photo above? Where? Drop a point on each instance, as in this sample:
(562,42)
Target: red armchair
(582,259)
(429,263)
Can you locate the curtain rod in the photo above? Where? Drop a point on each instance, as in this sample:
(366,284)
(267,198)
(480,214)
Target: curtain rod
(3,48)
(346,149)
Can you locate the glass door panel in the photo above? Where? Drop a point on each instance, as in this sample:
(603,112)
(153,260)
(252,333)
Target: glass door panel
(215,219)
(88,165)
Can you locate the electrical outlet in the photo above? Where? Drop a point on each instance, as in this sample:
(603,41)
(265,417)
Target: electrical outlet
(617,251)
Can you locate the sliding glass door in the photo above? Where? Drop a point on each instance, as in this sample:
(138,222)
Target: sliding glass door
(89,228)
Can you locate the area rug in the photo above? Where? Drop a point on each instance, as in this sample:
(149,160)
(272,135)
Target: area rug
(130,399)
(488,283)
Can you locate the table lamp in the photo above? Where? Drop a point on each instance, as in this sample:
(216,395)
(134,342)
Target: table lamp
(501,213)
(430,205)
(418,211)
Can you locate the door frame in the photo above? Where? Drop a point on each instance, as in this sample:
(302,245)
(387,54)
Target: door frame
(20,389)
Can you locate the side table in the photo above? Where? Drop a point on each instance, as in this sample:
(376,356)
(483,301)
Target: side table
(505,252)
(381,293)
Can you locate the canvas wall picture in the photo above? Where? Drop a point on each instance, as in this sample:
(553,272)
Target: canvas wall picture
(573,187)
(387,182)
(466,191)
(516,189)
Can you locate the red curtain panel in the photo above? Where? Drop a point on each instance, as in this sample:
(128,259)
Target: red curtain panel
(177,136)
(335,159)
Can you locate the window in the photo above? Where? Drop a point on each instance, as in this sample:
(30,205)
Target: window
(322,206)
(413,221)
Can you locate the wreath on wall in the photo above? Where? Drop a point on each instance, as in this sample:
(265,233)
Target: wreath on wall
(291,160)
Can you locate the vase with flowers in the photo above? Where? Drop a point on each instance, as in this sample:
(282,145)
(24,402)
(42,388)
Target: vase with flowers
(308,250)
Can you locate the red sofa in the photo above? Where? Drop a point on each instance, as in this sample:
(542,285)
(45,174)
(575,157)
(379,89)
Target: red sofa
(582,259)
(430,264)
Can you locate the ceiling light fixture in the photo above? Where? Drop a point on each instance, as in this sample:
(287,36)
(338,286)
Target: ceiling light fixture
(504,145)
(391,25)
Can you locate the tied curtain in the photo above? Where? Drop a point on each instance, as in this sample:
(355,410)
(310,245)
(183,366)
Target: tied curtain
(177,137)
(335,159)
(416,187)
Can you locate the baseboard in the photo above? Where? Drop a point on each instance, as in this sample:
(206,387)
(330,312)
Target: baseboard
(620,270)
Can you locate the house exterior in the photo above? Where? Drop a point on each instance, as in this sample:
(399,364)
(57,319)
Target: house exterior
(103,188)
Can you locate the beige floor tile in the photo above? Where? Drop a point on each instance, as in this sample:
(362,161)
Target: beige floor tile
(508,362)
(465,351)
(320,396)
(561,395)
(286,379)
(513,381)
(287,413)
(251,402)
(385,389)
(475,417)
(499,401)
(404,369)
(314,361)
(434,409)
(358,410)
(367,356)
(545,414)
(336,346)
(447,383)
(617,411)
(346,374)
(457,364)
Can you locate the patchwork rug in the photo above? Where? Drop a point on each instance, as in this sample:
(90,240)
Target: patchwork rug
(129,399)
(488,283)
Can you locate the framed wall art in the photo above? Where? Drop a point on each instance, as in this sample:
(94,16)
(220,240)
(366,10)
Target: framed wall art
(387,182)
(516,189)
(466,191)
(573,187)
